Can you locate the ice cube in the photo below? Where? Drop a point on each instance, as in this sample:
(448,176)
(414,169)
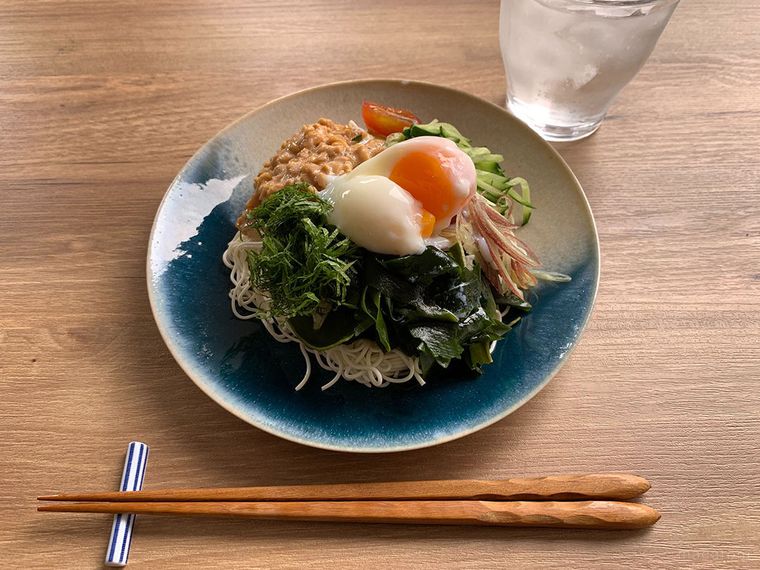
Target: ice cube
(586,74)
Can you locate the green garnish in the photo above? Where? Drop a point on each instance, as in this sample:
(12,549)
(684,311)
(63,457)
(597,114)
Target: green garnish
(432,305)
(304,262)
(493,183)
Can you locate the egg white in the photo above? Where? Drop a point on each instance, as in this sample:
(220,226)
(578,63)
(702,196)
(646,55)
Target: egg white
(376,214)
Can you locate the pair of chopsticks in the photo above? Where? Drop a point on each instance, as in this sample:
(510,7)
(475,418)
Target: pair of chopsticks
(593,501)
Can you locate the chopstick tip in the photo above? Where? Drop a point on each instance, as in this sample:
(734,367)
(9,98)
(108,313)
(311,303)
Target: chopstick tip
(643,484)
(49,498)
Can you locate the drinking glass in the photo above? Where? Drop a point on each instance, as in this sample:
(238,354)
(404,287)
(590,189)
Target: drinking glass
(566,60)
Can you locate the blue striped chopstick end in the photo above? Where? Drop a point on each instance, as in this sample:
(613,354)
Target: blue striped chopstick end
(131,480)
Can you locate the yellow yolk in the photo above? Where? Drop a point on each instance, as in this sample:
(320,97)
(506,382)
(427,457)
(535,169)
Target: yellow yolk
(427,223)
(422,175)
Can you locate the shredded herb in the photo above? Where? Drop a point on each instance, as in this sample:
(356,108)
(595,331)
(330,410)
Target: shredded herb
(304,262)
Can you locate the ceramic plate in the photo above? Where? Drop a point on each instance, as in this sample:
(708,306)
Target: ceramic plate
(241,368)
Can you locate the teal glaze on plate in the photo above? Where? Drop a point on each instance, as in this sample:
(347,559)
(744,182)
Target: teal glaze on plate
(243,369)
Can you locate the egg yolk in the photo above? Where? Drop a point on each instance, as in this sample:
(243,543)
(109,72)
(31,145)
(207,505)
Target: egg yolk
(427,224)
(423,176)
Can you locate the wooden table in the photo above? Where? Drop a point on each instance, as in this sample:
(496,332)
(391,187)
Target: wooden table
(101,103)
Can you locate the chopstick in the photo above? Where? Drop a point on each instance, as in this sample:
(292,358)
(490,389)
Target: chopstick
(565,501)
(555,487)
(565,514)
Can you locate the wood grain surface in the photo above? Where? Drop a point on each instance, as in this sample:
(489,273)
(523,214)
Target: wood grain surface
(101,103)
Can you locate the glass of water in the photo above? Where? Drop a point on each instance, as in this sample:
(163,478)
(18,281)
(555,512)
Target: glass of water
(566,60)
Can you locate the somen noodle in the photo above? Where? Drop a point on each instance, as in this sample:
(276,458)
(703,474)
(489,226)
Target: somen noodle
(362,361)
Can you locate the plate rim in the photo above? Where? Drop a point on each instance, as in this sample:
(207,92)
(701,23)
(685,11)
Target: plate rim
(175,351)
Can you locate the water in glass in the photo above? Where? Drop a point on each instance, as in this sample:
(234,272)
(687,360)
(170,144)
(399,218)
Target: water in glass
(566,60)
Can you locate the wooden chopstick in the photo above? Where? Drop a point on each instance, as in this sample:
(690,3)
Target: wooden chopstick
(555,487)
(565,514)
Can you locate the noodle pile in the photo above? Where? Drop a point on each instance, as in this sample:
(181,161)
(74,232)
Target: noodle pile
(361,361)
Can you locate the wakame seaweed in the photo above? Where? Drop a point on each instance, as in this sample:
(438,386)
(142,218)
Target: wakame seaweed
(428,305)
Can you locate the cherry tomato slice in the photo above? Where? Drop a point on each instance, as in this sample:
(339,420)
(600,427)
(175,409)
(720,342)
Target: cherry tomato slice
(382,120)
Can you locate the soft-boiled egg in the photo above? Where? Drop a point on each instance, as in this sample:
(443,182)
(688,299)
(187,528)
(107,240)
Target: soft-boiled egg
(406,194)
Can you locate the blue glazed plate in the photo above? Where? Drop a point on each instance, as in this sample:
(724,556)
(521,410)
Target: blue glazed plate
(241,368)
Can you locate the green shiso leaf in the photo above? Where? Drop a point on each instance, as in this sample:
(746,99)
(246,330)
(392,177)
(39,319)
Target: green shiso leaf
(303,262)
